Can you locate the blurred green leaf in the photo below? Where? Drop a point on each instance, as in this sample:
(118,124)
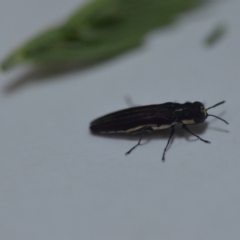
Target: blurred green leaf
(101,29)
(216,34)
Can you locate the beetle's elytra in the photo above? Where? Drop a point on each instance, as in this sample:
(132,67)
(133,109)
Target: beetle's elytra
(152,118)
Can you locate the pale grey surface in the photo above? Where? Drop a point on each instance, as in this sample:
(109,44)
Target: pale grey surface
(57,181)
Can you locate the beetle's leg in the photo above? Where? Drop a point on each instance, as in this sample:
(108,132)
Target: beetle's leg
(169,139)
(187,129)
(139,141)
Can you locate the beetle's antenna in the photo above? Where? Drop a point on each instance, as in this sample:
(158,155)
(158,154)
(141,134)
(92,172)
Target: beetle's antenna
(218,118)
(214,115)
(216,105)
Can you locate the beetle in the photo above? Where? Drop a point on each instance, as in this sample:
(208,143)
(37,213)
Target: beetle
(152,118)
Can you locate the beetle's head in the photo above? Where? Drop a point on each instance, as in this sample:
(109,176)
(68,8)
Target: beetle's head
(193,114)
(197,113)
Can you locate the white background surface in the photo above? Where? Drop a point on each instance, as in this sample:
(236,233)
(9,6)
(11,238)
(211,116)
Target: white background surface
(57,181)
